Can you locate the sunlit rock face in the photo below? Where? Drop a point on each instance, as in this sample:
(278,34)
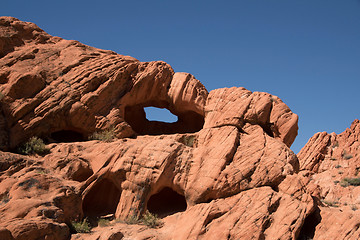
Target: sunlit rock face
(223,170)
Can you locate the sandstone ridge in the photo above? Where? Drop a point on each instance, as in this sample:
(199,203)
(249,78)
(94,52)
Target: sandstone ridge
(224,170)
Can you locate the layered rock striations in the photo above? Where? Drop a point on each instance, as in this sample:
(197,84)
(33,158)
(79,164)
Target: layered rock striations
(333,162)
(224,170)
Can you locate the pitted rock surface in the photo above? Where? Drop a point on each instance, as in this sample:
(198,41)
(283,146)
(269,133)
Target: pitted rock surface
(224,170)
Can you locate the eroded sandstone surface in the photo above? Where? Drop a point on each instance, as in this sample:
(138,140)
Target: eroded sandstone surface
(224,170)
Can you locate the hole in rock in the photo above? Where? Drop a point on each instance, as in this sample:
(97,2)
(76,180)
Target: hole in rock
(67,136)
(308,229)
(187,122)
(160,114)
(102,199)
(166,202)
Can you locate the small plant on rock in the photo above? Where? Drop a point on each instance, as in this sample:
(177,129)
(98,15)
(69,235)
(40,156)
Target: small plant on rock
(104,136)
(353,181)
(133,219)
(346,155)
(330,203)
(188,140)
(344,183)
(4,199)
(151,220)
(34,145)
(103,222)
(81,227)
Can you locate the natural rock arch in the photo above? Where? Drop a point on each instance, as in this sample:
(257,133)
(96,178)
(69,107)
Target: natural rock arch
(188,122)
(166,202)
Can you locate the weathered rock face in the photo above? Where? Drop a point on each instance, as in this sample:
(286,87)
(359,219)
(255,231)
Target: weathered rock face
(53,85)
(333,162)
(224,170)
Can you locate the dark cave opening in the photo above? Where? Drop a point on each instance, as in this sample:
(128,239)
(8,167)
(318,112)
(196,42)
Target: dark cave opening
(166,202)
(101,200)
(308,229)
(67,136)
(188,122)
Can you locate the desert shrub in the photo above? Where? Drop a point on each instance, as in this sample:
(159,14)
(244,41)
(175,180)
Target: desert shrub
(32,146)
(81,226)
(133,219)
(347,156)
(42,171)
(353,181)
(103,222)
(1,96)
(188,140)
(107,135)
(338,166)
(331,203)
(354,207)
(344,183)
(151,220)
(4,199)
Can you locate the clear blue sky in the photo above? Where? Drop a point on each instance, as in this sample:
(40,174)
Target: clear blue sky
(307,52)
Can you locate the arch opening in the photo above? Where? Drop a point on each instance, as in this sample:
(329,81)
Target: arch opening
(102,199)
(160,115)
(166,202)
(187,122)
(67,136)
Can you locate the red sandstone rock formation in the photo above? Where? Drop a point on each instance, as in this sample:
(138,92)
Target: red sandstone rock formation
(224,170)
(333,162)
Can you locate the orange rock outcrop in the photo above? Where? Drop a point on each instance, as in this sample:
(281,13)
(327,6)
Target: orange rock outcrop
(224,170)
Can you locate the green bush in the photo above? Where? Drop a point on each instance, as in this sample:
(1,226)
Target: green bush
(344,183)
(104,136)
(103,222)
(188,140)
(133,219)
(347,156)
(32,146)
(151,220)
(353,181)
(81,227)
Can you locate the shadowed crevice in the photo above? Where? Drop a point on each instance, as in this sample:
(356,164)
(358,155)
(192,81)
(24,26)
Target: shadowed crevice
(166,202)
(307,231)
(102,199)
(67,136)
